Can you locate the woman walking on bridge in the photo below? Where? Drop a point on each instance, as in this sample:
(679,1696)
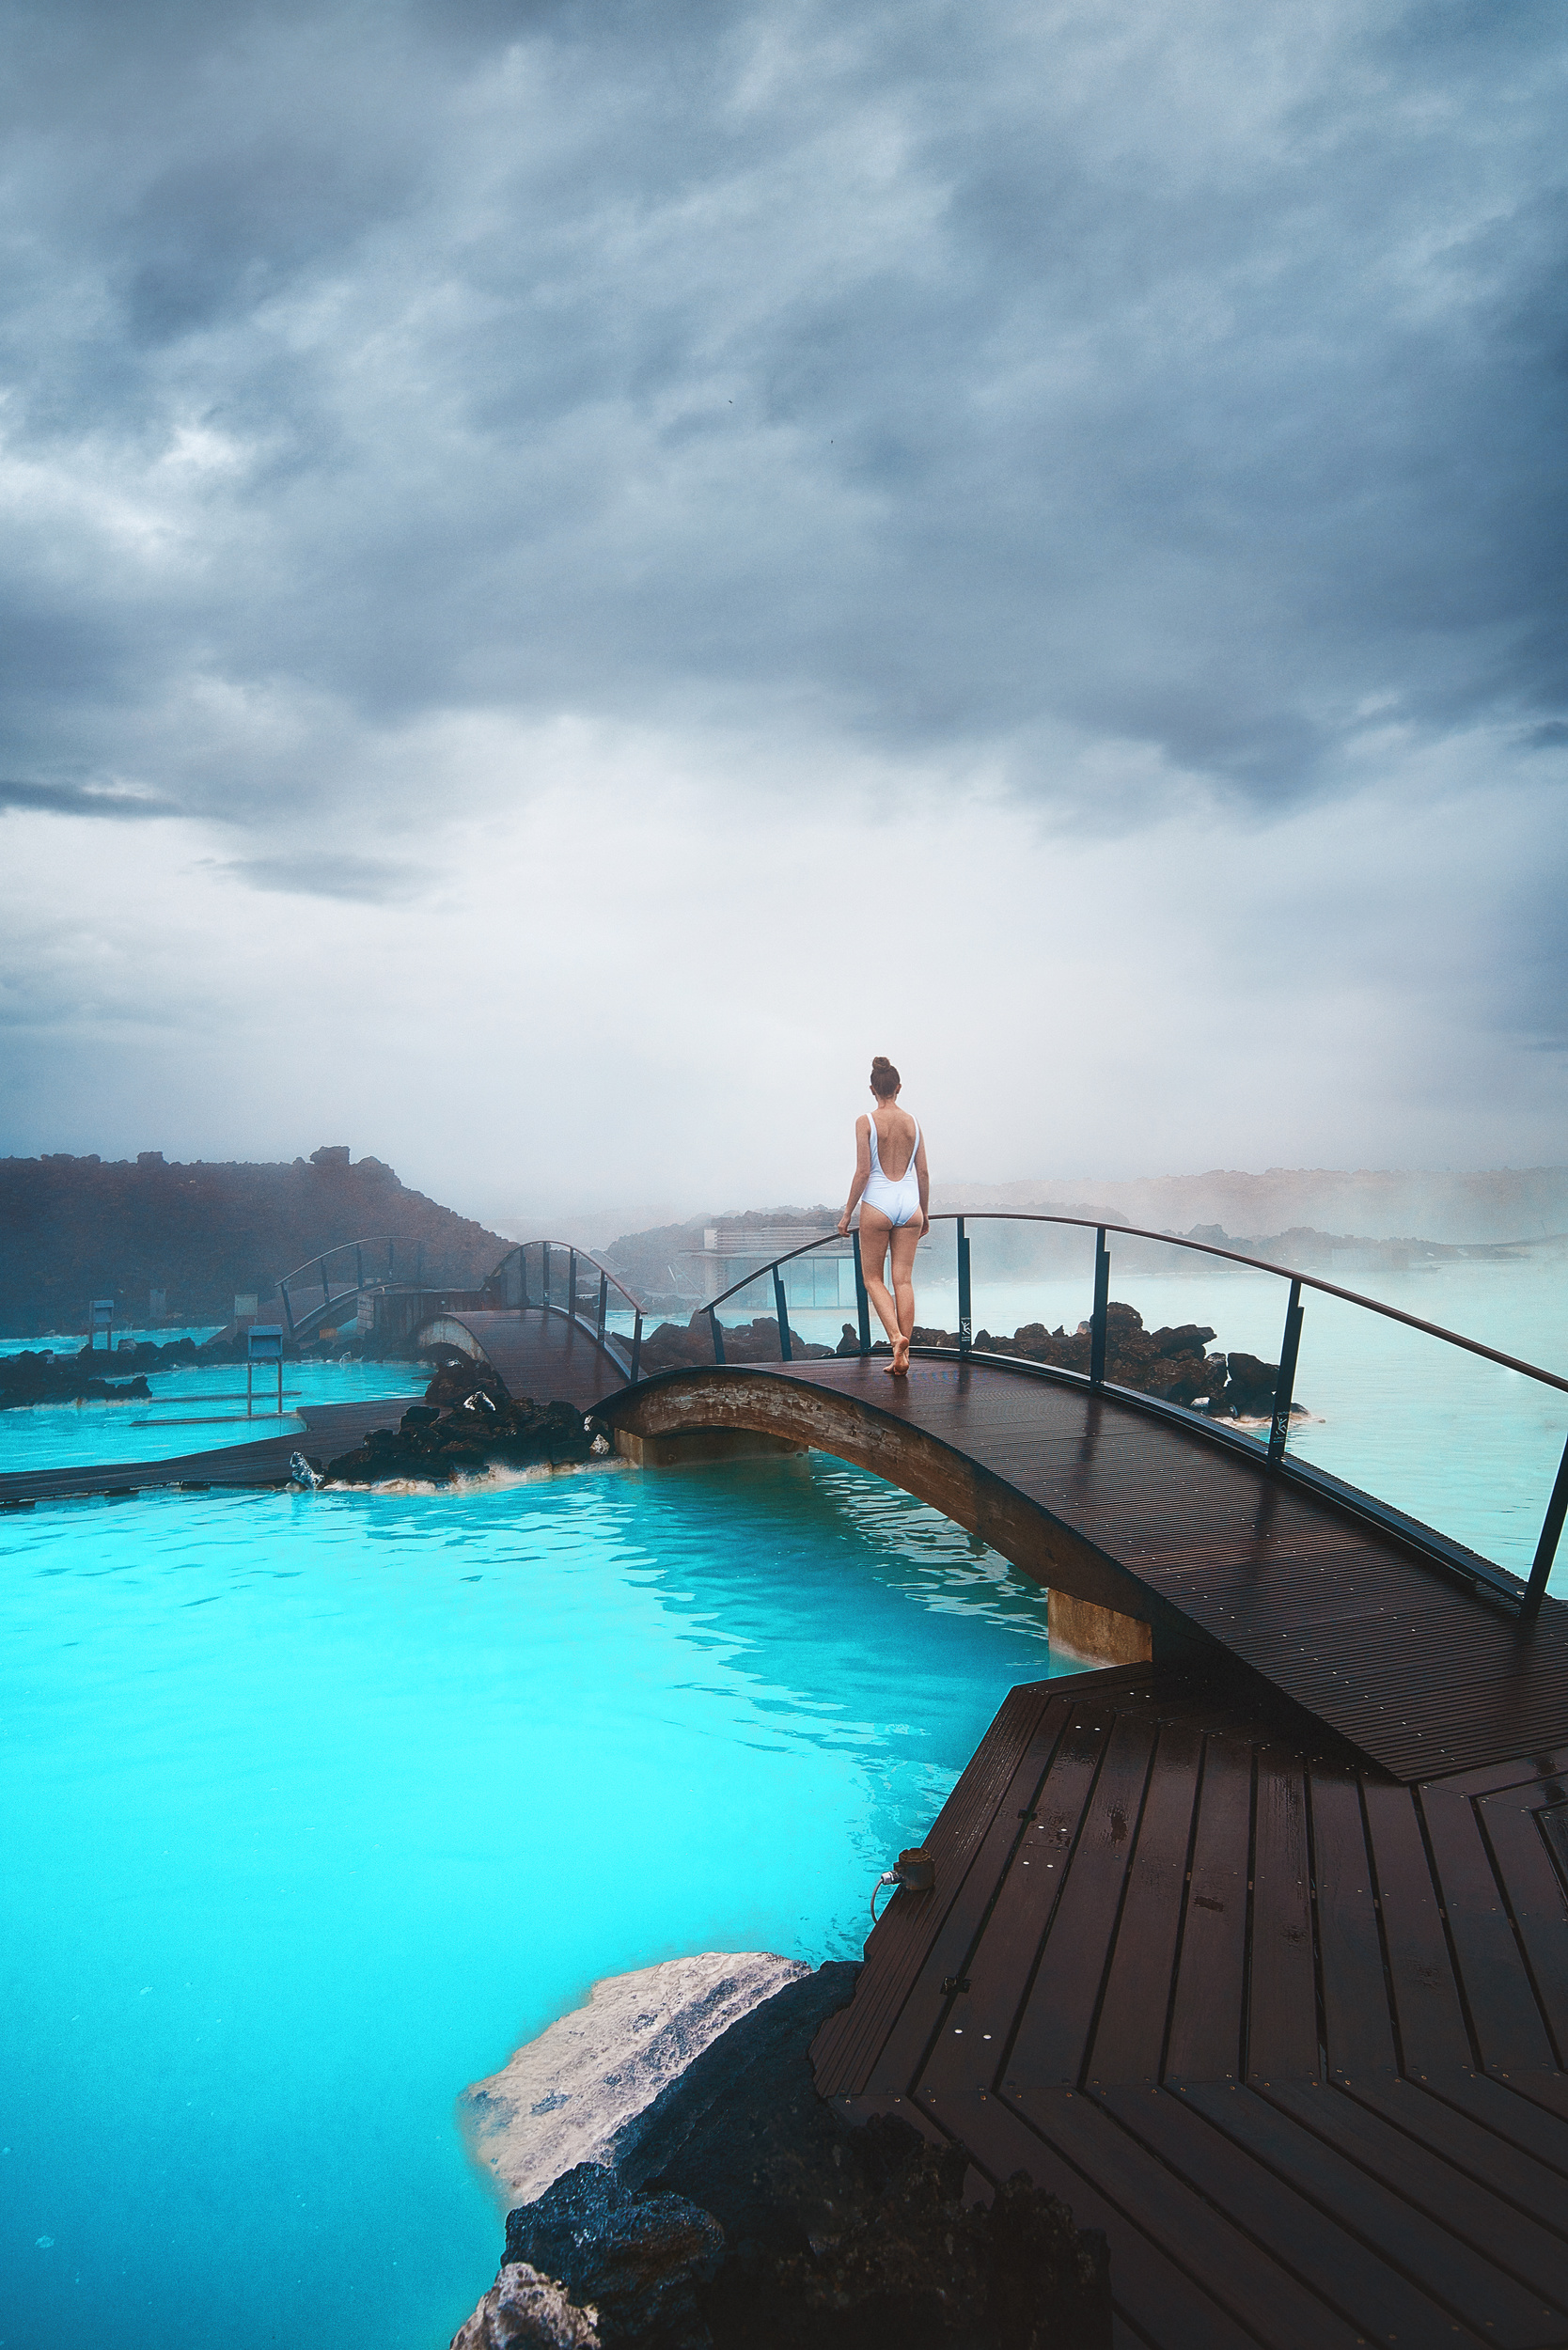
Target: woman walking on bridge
(894,1206)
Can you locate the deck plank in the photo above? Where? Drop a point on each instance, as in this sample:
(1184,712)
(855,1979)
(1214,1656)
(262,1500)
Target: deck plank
(1357,2025)
(1504,2011)
(1281,1982)
(1457,2200)
(1357,2229)
(1206,2011)
(1135,2012)
(1152,2292)
(1053,2033)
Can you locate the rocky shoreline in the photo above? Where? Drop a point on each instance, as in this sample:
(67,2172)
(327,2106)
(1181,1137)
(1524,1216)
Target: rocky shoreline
(1172,1362)
(738,2212)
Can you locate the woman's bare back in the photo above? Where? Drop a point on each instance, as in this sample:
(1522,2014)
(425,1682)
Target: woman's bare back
(895,1140)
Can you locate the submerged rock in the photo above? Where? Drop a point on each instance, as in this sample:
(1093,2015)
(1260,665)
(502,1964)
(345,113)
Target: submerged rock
(524,2310)
(578,2093)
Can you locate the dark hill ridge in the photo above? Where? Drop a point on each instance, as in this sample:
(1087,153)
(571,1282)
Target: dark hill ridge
(75,1229)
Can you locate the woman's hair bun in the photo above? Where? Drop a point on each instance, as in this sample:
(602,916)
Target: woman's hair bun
(885,1077)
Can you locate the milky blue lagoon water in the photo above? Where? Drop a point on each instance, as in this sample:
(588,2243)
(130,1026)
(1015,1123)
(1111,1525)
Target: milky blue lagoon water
(313,1808)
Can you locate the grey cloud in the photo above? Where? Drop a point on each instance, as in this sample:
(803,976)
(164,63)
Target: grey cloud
(83,799)
(1191,381)
(307,872)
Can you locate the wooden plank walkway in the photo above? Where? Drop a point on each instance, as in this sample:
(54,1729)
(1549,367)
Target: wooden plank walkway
(1345,1620)
(329,1429)
(1290,2033)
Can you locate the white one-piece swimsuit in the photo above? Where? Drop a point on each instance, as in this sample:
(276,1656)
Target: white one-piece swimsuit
(898,1202)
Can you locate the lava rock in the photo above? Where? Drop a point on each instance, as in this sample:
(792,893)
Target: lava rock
(672,1347)
(482,1426)
(639,2259)
(524,2310)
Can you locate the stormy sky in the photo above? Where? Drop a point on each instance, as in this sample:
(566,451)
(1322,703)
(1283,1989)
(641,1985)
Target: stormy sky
(570,572)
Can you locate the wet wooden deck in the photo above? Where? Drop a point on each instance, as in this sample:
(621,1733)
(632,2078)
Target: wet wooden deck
(1292,2032)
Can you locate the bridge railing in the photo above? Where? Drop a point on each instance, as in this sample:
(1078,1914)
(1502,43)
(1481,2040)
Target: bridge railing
(555,1275)
(1481,1575)
(336,1275)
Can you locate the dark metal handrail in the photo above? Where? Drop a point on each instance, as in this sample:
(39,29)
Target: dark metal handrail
(607,1280)
(1444,1553)
(317,1267)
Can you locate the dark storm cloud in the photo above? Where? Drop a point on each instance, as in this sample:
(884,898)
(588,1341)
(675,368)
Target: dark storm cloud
(81,799)
(1007,376)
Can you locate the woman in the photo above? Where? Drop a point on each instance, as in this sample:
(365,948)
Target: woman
(893,1187)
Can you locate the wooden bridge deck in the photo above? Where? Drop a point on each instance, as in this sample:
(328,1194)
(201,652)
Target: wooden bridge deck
(1345,1621)
(1290,2033)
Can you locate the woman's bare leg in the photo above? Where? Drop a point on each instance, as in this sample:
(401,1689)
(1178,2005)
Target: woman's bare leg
(906,1239)
(876,1232)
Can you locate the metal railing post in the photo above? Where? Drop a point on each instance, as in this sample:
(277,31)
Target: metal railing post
(523,1277)
(718,1334)
(1102,1300)
(1290,1346)
(358,1266)
(966,1317)
(1546,1549)
(544,1274)
(784,1354)
(636,1349)
(326,1293)
(862,1301)
(287,1309)
(604,1305)
(571,1284)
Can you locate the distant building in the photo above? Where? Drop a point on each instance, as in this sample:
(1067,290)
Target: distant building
(739,1245)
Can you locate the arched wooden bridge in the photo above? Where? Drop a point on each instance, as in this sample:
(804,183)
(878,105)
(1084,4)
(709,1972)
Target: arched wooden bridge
(1254,1946)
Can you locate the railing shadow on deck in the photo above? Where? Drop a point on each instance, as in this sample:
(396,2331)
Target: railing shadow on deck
(1485,1578)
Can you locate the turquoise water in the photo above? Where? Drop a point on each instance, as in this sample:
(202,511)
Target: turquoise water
(191,1409)
(71,1343)
(315,1807)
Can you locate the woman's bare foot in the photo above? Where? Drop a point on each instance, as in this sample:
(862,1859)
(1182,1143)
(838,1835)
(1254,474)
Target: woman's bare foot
(900,1364)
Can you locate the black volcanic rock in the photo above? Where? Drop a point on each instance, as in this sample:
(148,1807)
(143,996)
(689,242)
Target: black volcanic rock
(831,2238)
(480,1426)
(637,2260)
(674,1347)
(1169,1362)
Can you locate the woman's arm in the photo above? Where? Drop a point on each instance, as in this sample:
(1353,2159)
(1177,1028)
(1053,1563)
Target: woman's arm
(924,1173)
(862,1170)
